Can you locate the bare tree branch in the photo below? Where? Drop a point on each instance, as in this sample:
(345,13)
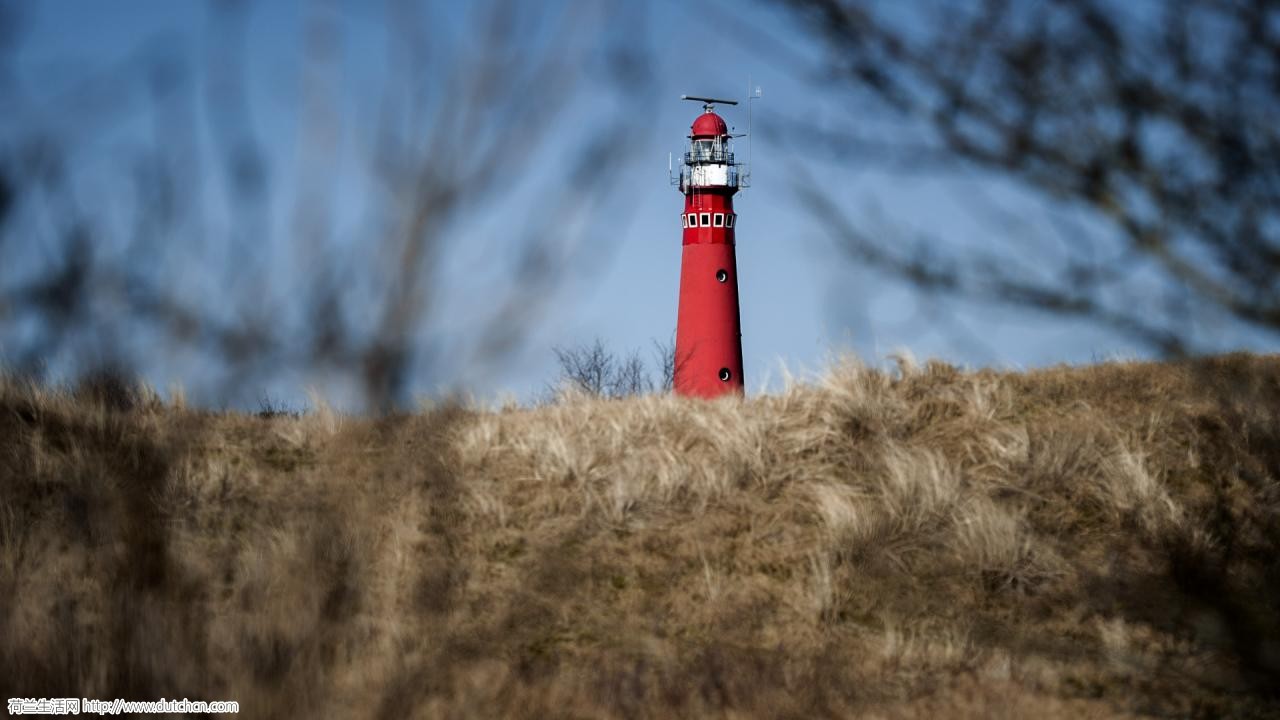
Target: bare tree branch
(456,126)
(1162,132)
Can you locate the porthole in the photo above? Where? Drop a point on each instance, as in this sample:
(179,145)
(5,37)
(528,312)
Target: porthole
(721,275)
(725,375)
(705,219)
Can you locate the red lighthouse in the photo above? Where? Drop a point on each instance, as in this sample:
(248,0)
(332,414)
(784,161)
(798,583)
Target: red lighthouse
(708,361)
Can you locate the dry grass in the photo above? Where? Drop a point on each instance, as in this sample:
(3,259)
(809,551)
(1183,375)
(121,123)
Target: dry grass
(1089,542)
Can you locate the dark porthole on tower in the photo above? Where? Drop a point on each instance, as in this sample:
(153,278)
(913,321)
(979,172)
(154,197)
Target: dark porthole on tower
(721,275)
(725,375)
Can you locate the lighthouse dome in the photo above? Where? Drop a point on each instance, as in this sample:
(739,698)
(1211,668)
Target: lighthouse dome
(709,124)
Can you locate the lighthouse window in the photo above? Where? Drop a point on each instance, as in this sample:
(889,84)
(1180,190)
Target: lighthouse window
(725,375)
(693,220)
(706,219)
(717,220)
(684,221)
(728,220)
(721,275)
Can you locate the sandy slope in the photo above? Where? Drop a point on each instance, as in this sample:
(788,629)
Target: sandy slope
(1088,542)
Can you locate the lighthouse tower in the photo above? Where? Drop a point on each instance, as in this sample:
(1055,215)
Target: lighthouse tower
(708,360)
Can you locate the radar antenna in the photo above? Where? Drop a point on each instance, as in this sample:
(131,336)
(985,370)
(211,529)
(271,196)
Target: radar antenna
(708,103)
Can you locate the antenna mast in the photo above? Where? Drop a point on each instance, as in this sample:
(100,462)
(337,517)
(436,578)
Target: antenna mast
(753,93)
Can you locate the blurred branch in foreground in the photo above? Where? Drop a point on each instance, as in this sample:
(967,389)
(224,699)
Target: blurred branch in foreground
(1148,129)
(194,249)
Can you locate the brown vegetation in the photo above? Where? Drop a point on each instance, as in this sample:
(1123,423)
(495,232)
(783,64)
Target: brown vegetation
(1071,542)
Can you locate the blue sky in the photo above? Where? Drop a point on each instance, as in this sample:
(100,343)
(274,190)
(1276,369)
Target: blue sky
(801,299)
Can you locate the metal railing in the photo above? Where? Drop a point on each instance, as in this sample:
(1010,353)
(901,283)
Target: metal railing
(718,157)
(733,176)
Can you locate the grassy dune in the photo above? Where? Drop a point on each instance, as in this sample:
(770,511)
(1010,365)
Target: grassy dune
(1064,543)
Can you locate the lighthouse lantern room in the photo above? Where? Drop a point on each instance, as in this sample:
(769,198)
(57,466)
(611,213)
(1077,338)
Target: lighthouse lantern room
(708,353)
